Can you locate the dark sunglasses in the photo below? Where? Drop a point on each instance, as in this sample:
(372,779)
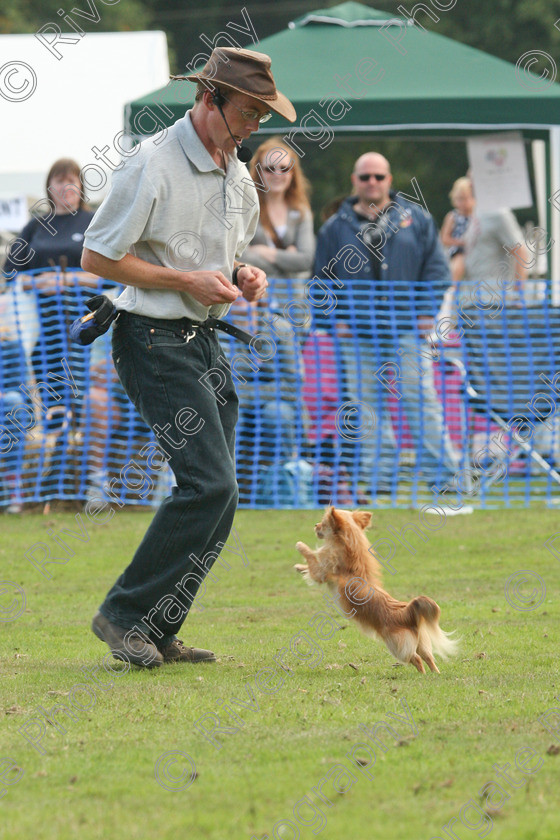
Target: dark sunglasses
(365,177)
(280,169)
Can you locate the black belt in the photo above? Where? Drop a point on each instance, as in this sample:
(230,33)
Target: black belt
(224,326)
(211,323)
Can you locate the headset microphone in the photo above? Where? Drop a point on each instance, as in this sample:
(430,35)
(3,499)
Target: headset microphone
(243,153)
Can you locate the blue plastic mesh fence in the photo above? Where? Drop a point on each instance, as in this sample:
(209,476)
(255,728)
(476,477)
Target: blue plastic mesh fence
(347,396)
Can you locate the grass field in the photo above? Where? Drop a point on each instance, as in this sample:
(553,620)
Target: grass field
(97,780)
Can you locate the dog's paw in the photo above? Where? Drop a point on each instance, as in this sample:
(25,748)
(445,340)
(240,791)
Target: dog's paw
(301,546)
(300,567)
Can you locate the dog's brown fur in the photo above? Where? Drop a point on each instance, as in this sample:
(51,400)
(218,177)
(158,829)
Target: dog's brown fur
(345,563)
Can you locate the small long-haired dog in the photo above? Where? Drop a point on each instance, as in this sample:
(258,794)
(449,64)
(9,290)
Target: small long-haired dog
(345,563)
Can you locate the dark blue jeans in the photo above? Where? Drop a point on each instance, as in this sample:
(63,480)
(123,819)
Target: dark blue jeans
(161,371)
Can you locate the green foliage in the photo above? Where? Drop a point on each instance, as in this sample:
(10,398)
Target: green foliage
(506,28)
(30,15)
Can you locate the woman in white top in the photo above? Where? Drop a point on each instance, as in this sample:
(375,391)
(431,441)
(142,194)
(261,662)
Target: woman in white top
(284,244)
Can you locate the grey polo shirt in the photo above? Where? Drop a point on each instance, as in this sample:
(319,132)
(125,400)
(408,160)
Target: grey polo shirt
(485,239)
(171,205)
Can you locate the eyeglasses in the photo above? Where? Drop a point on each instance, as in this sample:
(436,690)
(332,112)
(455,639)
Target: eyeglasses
(365,177)
(279,170)
(250,115)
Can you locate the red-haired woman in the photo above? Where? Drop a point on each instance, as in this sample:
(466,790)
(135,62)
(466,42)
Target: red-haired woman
(284,244)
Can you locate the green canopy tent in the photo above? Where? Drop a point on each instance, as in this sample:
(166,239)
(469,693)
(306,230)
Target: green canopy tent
(352,70)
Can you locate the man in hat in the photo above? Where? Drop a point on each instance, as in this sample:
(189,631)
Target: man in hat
(180,212)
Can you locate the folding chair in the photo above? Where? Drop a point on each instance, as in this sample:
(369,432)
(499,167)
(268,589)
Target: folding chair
(507,360)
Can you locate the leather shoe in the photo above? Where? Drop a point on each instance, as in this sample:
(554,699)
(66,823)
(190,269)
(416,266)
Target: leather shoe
(177,652)
(128,645)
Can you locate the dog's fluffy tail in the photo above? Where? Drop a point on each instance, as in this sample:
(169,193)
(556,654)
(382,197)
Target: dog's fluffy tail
(427,613)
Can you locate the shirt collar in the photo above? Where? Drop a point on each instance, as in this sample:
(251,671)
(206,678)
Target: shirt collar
(353,200)
(194,148)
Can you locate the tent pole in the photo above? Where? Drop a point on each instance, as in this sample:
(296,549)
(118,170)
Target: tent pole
(555,213)
(127,114)
(538,148)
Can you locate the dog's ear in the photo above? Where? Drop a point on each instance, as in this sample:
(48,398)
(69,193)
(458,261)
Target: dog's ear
(361,518)
(333,518)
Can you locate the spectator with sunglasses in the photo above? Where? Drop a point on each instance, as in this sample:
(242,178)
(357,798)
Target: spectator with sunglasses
(390,275)
(283,245)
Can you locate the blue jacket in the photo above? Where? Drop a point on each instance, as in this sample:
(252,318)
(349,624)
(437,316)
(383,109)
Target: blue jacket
(414,271)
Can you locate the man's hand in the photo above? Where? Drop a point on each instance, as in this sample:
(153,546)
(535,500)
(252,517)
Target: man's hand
(252,282)
(208,287)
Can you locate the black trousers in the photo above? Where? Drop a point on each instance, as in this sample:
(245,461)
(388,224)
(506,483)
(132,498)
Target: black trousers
(163,373)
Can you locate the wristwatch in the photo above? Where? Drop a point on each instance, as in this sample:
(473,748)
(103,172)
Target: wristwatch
(234,274)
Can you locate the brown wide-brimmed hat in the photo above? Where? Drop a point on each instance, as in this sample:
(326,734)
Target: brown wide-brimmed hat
(247,72)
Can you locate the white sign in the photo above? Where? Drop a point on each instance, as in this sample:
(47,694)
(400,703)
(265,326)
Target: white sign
(499,171)
(13,213)
(67,100)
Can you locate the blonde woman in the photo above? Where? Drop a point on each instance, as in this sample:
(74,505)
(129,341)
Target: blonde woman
(455,225)
(284,244)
